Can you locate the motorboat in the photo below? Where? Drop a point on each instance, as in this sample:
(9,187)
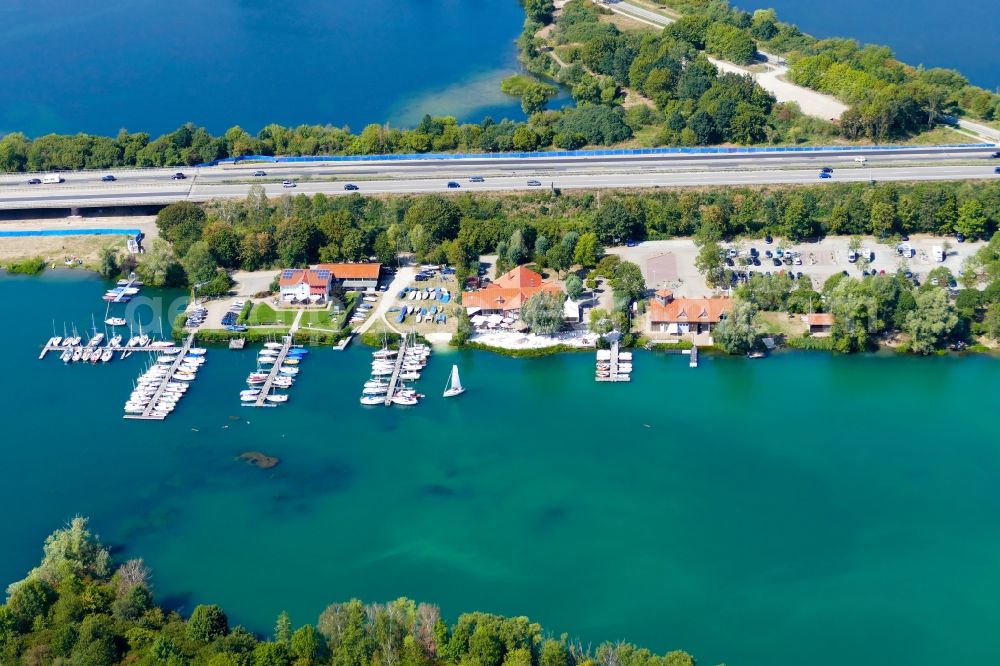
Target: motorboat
(277,397)
(454,386)
(371,400)
(115,321)
(375,384)
(273,345)
(404,400)
(291,361)
(376,390)
(411,375)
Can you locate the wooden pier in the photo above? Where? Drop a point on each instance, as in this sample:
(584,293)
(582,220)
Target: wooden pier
(614,375)
(396,369)
(265,390)
(147,413)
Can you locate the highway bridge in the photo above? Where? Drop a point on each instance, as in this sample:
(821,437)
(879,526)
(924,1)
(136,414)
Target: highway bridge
(152,187)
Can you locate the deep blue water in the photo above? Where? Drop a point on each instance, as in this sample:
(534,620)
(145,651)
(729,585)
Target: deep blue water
(921,32)
(147,65)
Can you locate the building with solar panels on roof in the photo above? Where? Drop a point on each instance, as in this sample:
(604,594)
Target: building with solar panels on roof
(302,285)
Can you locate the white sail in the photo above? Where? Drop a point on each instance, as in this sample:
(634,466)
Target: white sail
(454,385)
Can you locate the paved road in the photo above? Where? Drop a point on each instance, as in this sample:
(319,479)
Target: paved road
(69,195)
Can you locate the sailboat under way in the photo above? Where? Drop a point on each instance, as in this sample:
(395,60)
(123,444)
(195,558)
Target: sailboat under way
(454,386)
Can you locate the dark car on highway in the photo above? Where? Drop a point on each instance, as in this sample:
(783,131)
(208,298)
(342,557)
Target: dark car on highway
(258,174)
(108,179)
(477,179)
(826,170)
(35,181)
(996,170)
(453,184)
(350,186)
(178,176)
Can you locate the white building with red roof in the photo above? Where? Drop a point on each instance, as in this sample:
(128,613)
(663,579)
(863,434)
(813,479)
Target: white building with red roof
(305,284)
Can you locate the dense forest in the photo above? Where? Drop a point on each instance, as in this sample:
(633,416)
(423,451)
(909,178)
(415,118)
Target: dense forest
(682,98)
(77,608)
(888,98)
(551,228)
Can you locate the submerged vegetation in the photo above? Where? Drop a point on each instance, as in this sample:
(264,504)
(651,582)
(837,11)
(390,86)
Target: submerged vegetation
(77,608)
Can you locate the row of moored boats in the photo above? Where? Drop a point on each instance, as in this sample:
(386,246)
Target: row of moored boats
(384,362)
(282,374)
(624,366)
(158,390)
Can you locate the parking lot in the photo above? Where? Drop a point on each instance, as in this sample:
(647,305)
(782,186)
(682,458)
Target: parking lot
(671,263)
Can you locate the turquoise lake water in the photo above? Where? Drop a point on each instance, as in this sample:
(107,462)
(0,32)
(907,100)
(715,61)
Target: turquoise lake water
(152,66)
(921,32)
(804,509)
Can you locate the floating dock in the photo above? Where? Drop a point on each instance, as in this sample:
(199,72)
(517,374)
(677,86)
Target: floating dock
(396,369)
(147,414)
(265,390)
(59,349)
(615,360)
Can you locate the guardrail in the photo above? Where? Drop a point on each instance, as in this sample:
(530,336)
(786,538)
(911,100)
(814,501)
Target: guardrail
(619,152)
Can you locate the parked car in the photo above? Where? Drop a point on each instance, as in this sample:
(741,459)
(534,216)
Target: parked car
(768,254)
(288,183)
(730,262)
(776,261)
(108,179)
(350,187)
(453,184)
(258,174)
(178,176)
(960,237)
(768,239)
(534,183)
(630,243)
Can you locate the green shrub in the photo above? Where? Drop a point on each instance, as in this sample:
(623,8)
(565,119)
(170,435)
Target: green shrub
(32,266)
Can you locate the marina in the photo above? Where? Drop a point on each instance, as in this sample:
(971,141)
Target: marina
(400,365)
(162,385)
(277,368)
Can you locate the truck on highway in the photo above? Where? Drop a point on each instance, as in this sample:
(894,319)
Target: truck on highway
(52,178)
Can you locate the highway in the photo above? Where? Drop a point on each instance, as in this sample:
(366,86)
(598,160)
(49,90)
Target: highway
(81,194)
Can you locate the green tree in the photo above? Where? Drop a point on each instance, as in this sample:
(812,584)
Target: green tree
(554,653)
(737,334)
(991,321)
(710,264)
(182,224)
(206,623)
(199,263)
(574,286)
(972,220)
(306,645)
(588,250)
(283,629)
(108,263)
(543,312)
(628,283)
(931,322)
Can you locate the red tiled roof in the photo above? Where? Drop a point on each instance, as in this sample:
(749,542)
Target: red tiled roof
(353,271)
(294,276)
(519,278)
(820,319)
(494,297)
(689,310)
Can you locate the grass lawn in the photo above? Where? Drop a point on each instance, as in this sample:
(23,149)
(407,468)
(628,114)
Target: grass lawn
(263,315)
